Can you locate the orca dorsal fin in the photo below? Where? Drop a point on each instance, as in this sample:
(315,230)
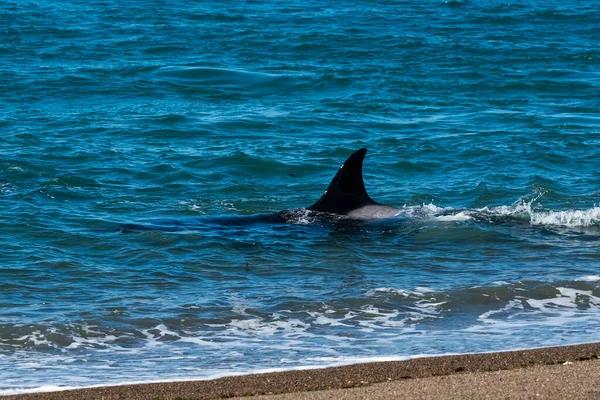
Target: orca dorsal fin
(346,192)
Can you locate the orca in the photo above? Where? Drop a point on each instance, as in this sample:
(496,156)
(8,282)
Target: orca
(345,198)
(346,194)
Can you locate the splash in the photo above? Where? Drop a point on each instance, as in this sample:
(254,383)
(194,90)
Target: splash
(522,210)
(567,218)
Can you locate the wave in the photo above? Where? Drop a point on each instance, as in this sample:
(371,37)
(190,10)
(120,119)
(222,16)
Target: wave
(521,211)
(232,79)
(382,321)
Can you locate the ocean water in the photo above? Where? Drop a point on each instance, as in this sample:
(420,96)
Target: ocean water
(141,144)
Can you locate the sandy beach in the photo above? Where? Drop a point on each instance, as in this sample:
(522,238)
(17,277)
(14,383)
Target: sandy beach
(555,372)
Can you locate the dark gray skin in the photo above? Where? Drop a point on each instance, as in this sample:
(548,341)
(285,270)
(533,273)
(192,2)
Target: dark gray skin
(346,194)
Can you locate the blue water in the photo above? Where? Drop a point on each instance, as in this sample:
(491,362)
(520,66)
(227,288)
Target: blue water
(140,139)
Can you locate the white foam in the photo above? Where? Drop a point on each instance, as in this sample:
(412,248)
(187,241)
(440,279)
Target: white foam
(252,326)
(300,216)
(419,291)
(310,363)
(569,308)
(569,218)
(36,338)
(321,362)
(521,209)
(39,389)
(461,216)
(400,292)
(512,305)
(386,320)
(425,210)
(6,188)
(589,278)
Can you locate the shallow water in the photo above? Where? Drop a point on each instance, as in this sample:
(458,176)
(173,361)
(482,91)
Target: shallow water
(144,146)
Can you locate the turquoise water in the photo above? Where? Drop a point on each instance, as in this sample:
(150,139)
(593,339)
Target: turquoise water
(143,145)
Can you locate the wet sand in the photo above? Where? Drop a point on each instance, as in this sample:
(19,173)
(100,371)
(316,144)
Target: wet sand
(555,372)
(579,380)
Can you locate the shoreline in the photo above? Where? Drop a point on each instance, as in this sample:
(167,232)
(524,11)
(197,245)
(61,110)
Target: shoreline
(332,378)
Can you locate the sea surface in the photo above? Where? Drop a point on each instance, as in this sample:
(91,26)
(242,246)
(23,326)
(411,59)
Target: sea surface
(143,146)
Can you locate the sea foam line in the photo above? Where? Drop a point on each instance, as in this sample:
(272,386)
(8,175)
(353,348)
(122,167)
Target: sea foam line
(223,374)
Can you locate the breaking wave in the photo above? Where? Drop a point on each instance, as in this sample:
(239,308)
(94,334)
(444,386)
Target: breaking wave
(521,211)
(381,322)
